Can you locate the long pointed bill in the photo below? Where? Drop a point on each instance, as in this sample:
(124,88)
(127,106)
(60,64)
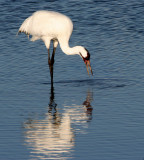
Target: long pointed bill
(88,67)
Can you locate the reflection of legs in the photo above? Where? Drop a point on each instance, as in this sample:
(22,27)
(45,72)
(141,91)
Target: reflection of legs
(51,63)
(52,104)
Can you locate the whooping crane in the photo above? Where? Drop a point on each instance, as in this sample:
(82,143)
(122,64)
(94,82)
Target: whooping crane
(49,25)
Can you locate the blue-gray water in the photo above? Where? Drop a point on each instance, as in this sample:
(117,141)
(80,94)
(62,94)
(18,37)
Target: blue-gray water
(97,118)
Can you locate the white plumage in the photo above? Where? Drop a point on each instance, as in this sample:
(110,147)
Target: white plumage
(49,25)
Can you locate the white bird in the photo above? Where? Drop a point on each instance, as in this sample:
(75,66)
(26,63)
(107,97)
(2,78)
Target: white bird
(49,25)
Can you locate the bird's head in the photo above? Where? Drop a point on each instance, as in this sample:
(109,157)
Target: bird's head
(84,53)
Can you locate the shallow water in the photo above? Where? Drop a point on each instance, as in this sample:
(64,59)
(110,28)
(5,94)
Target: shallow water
(98,117)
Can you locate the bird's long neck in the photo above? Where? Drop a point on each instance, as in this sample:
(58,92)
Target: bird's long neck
(64,44)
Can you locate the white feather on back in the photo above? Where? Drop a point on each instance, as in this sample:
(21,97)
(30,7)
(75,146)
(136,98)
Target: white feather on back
(47,25)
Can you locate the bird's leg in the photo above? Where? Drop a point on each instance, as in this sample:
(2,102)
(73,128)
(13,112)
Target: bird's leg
(53,54)
(50,67)
(51,63)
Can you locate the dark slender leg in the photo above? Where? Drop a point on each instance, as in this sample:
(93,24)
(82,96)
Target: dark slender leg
(51,63)
(53,54)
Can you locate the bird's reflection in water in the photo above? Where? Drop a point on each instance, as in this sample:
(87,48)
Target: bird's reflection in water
(53,137)
(52,105)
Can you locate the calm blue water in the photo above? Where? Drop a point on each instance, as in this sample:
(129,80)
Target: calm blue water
(97,118)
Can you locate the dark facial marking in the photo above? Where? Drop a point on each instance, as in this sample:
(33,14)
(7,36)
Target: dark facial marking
(87,58)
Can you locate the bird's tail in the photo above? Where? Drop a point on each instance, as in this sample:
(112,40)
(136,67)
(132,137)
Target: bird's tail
(25,27)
